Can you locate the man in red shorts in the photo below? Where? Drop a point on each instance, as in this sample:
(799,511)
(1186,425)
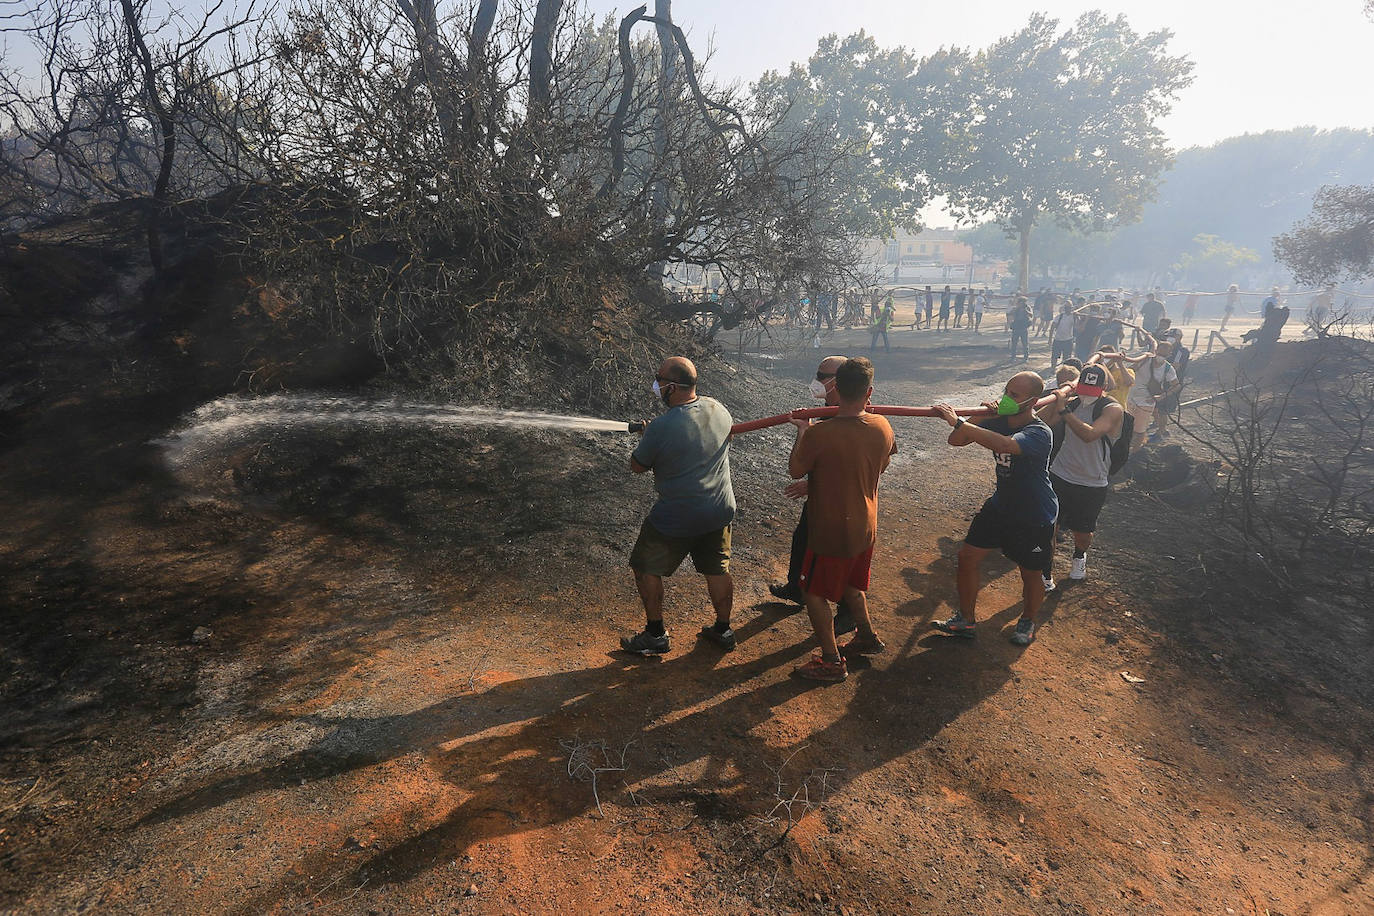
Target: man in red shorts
(841,459)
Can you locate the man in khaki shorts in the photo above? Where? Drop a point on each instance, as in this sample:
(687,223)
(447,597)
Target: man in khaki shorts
(688,449)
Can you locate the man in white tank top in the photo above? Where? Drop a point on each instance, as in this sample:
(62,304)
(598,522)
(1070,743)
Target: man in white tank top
(1079,471)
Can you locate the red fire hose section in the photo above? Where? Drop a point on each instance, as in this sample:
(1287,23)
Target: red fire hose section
(811,413)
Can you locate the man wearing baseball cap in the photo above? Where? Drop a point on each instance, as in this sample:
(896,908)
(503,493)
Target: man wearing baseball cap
(1092,422)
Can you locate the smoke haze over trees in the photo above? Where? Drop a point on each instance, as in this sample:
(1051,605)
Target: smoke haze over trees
(1244,191)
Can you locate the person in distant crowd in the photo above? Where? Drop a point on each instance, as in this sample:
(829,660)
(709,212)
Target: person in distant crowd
(1112,327)
(1044,312)
(1062,334)
(688,449)
(1151,313)
(880,327)
(959,299)
(1189,308)
(1018,320)
(1320,309)
(1086,331)
(980,305)
(1232,297)
(1078,472)
(841,460)
(930,308)
(1019,517)
(1270,303)
(1155,378)
(822,389)
(944,308)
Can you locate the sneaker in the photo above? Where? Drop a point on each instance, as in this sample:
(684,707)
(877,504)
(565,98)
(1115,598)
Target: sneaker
(956,626)
(1079,569)
(723,638)
(644,643)
(818,669)
(1049,584)
(844,622)
(863,645)
(1025,632)
(786,591)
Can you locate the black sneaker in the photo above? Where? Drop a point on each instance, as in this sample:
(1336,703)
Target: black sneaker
(723,638)
(1025,633)
(645,643)
(844,622)
(786,591)
(956,626)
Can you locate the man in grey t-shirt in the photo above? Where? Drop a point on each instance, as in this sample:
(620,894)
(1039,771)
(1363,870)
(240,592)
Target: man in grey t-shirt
(688,449)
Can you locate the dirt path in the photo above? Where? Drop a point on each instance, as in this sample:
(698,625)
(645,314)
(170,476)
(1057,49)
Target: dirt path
(384,716)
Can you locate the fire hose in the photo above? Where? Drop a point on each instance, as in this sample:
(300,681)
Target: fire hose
(814,413)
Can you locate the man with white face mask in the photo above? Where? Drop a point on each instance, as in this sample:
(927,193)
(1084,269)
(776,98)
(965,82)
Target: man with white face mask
(822,389)
(1092,422)
(688,449)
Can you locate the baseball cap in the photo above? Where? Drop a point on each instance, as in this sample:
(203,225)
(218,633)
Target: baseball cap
(1092,381)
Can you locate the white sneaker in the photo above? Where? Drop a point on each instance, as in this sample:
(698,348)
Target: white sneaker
(1079,569)
(1049,584)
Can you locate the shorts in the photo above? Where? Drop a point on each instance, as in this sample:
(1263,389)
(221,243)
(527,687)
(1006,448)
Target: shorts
(1025,545)
(1144,415)
(828,577)
(1079,506)
(656,554)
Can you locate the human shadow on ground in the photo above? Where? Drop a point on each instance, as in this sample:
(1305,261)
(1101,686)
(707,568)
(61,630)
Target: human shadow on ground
(698,708)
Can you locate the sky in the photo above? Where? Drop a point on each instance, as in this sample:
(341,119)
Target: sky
(1259,64)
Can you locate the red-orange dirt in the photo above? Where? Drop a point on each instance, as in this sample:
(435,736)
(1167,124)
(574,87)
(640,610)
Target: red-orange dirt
(410,647)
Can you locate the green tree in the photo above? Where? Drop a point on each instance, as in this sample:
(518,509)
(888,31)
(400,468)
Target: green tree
(844,93)
(1212,261)
(1064,127)
(1336,241)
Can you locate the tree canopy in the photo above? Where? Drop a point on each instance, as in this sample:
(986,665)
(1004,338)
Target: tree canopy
(1064,127)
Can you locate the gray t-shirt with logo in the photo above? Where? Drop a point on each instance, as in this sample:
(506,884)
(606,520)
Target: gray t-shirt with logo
(688,449)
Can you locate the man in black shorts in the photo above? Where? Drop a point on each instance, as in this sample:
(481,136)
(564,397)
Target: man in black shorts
(1092,422)
(1019,516)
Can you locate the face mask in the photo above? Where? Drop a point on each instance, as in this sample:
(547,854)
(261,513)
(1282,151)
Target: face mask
(818,389)
(1008,406)
(657,393)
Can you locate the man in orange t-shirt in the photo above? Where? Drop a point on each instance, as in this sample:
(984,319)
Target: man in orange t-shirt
(842,459)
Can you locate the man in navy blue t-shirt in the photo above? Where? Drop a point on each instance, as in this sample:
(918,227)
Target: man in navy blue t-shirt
(1019,517)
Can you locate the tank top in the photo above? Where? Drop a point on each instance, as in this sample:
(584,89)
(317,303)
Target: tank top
(1079,462)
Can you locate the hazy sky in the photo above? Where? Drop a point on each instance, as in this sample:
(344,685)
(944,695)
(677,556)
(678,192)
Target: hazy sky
(1259,64)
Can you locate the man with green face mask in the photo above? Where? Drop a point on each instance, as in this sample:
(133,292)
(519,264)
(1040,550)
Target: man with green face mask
(1019,516)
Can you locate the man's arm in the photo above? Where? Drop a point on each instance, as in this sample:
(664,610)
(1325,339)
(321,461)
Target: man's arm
(1106,425)
(967,433)
(798,465)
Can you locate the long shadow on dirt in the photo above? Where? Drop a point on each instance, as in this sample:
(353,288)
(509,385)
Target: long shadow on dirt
(495,745)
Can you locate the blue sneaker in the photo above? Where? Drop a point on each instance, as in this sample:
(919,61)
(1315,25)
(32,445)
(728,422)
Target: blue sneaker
(956,626)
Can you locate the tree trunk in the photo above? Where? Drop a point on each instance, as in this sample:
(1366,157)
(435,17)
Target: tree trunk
(546,14)
(166,126)
(667,80)
(1023,235)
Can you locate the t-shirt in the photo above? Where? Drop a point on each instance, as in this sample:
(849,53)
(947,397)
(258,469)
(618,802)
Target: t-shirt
(1062,329)
(688,449)
(1079,462)
(1150,314)
(842,458)
(1164,375)
(1091,327)
(1024,494)
(1122,380)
